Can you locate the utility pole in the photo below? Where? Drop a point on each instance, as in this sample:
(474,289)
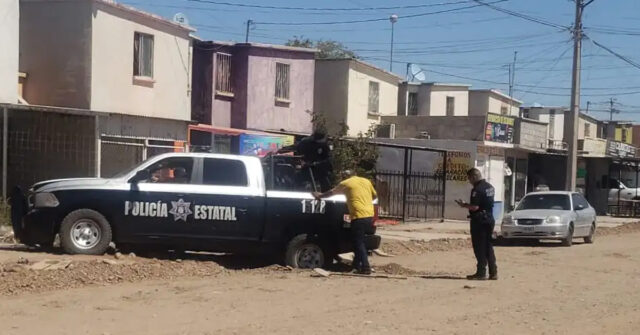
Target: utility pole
(571,125)
(246,38)
(393,19)
(513,82)
(611,109)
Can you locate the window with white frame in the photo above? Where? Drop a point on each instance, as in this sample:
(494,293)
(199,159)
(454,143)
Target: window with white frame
(223,73)
(504,110)
(143,55)
(282,81)
(374,97)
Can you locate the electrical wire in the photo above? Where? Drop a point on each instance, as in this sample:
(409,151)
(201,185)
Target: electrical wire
(372,20)
(625,59)
(235,4)
(523,16)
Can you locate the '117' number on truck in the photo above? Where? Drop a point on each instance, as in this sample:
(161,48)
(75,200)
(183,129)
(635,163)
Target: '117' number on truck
(313,206)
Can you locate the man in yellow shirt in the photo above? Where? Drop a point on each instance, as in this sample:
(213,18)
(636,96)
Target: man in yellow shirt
(360,194)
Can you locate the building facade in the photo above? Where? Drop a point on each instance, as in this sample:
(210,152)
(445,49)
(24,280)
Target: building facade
(433,99)
(253,86)
(104,56)
(9,26)
(354,93)
(482,102)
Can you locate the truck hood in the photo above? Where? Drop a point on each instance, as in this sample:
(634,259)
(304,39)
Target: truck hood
(57,184)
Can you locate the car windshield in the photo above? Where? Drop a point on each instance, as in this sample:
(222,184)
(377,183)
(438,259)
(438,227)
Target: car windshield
(545,201)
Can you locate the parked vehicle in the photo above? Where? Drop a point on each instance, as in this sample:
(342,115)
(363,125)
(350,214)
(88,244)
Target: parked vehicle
(190,201)
(620,192)
(551,215)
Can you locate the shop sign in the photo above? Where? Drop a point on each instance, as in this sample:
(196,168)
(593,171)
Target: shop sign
(619,149)
(458,163)
(499,128)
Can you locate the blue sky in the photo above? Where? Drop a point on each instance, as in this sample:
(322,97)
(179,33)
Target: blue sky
(470,46)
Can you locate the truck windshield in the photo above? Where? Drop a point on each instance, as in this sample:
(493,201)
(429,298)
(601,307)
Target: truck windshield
(545,201)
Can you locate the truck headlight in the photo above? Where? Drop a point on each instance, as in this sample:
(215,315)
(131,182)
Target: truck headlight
(42,200)
(552,219)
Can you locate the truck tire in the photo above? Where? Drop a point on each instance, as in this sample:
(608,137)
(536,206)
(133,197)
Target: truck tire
(304,252)
(85,231)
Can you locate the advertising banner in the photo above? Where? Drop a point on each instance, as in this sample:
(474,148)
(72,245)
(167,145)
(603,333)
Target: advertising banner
(261,145)
(499,128)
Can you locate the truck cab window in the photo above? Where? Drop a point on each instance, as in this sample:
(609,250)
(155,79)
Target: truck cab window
(224,172)
(175,170)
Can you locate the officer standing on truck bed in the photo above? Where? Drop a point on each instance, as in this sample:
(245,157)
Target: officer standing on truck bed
(360,194)
(480,208)
(316,155)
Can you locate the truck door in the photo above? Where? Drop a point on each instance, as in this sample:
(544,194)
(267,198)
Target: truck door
(159,207)
(228,201)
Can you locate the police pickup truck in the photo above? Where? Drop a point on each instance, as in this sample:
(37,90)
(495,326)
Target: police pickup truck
(190,201)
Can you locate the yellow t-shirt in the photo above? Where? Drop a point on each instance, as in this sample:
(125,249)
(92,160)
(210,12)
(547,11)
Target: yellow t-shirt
(360,193)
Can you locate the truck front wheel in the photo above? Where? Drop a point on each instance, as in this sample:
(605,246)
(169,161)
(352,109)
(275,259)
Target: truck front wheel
(85,231)
(305,252)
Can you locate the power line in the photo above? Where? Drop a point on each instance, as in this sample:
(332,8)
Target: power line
(372,20)
(522,16)
(234,4)
(625,59)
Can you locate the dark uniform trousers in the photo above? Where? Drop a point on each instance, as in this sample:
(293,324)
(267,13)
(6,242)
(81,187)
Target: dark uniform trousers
(481,239)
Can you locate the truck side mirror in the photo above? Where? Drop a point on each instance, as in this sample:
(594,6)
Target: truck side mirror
(139,176)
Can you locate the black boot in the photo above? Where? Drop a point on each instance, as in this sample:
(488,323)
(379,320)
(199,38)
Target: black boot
(493,273)
(481,274)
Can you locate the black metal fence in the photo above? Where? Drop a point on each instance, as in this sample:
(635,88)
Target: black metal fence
(411,181)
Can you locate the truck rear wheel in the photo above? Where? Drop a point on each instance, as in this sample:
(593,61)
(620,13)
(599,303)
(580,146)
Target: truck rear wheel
(305,252)
(85,231)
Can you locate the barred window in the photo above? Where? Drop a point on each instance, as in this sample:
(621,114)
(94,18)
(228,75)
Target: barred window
(413,103)
(282,81)
(374,97)
(223,73)
(143,55)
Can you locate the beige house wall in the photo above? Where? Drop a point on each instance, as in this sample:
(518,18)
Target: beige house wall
(9,35)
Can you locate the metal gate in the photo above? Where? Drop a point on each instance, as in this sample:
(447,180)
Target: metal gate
(122,153)
(411,182)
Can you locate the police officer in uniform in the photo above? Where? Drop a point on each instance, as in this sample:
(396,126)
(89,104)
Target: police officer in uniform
(480,209)
(315,153)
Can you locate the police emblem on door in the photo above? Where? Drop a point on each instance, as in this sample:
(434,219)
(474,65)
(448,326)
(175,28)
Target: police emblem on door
(180,210)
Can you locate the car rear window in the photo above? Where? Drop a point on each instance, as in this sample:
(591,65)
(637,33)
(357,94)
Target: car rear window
(545,201)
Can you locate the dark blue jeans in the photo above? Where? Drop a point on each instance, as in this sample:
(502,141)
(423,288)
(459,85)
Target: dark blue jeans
(359,229)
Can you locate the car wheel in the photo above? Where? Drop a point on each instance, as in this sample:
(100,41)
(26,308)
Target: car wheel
(85,231)
(305,253)
(568,241)
(592,234)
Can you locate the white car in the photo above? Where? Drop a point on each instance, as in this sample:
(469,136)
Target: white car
(619,191)
(551,215)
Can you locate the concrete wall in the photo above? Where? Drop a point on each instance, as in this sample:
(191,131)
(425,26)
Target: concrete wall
(331,89)
(263,112)
(531,134)
(9,35)
(438,100)
(479,103)
(113,86)
(140,126)
(55,52)
(358,118)
(593,128)
(439,127)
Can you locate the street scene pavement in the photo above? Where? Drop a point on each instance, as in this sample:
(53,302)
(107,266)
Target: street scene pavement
(544,289)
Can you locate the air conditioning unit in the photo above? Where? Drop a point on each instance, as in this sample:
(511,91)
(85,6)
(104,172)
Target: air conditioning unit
(386,131)
(424,134)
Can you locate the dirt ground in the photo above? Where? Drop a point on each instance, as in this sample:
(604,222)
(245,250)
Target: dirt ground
(543,289)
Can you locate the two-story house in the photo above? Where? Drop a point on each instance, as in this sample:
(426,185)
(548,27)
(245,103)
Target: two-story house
(104,56)
(354,93)
(253,86)
(9,36)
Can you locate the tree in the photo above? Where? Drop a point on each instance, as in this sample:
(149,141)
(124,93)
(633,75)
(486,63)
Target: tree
(327,48)
(350,153)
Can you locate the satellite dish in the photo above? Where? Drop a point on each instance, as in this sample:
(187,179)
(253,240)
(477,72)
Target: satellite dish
(417,73)
(180,18)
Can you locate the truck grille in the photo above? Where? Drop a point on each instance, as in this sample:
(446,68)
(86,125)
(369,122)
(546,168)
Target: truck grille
(529,222)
